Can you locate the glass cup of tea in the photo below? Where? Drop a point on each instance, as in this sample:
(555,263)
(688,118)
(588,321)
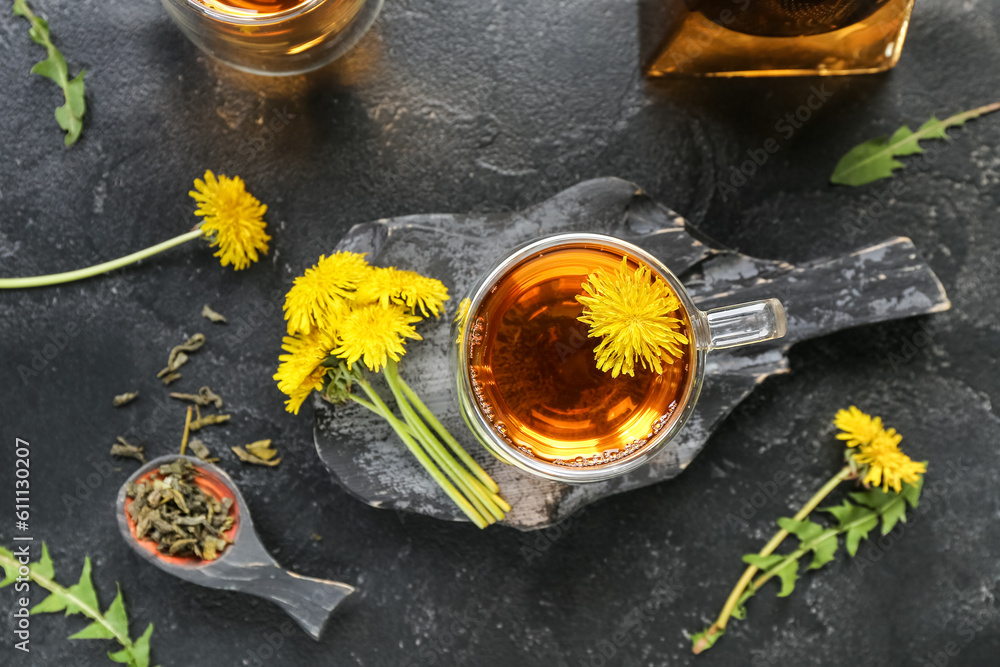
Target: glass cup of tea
(274,37)
(528,384)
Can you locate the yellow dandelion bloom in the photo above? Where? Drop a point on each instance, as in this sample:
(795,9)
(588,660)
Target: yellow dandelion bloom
(233,219)
(375,334)
(300,371)
(390,285)
(319,297)
(461,317)
(631,311)
(887,465)
(860,428)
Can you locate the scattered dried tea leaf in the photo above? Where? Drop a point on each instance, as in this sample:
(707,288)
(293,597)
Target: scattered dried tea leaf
(187,430)
(209,420)
(262,449)
(316,537)
(172,377)
(200,449)
(125,449)
(203,398)
(125,399)
(212,316)
(178,356)
(247,457)
(174,512)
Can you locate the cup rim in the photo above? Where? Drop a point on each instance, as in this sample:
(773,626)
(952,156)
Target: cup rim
(249,19)
(512,454)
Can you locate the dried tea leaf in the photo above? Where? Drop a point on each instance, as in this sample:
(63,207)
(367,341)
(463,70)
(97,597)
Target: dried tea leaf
(212,316)
(316,537)
(203,398)
(124,399)
(199,448)
(209,420)
(125,449)
(172,377)
(178,515)
(262,449)
(247,457)
(178,356)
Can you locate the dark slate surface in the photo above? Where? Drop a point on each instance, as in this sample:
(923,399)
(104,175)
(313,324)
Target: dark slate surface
(486,107)
(882,282)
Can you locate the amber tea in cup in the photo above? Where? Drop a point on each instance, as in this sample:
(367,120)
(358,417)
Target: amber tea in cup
(274,37)
(529,385)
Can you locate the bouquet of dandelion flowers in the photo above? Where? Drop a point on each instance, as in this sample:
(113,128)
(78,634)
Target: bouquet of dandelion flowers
(347,321)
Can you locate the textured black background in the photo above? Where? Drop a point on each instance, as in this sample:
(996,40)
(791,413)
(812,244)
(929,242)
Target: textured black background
(487,106)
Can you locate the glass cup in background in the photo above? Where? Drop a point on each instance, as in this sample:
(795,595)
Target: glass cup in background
(274,37)
(528,384)
(776,37)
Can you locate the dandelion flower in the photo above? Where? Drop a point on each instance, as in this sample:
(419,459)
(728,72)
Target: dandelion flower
(887,465)
(319,298)
(233,219)
(631,311)
(375,334)
(859,428)
(301,371)
(404,288)
(878,450)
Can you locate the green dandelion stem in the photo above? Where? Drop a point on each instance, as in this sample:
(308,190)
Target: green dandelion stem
(460,475)
(774,543)
(404,433)
(98,269)
(449,439)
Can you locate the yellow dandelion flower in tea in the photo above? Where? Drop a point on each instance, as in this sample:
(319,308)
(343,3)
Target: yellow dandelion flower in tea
(375,334)
(300,371)
(233,219)
(631,311)
(320,297)
(390,285)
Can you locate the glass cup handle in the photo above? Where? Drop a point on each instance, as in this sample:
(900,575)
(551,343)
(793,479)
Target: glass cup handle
(745,323)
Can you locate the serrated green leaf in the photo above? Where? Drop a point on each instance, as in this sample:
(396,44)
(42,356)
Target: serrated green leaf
(807,532)
(857,520)
(10,567)
(116,616)
(122,656)
(44,567)
(875,158)
(140,649)
(911,492)
(858,532)
(83,592)
(69,116)
(788,572)
(890,506)
(53,603)
(95,630)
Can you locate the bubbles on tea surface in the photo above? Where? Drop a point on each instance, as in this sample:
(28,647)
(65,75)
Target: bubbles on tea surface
(476,335)
(630,447)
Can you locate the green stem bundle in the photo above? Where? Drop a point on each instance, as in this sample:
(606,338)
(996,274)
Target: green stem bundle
(465,482)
